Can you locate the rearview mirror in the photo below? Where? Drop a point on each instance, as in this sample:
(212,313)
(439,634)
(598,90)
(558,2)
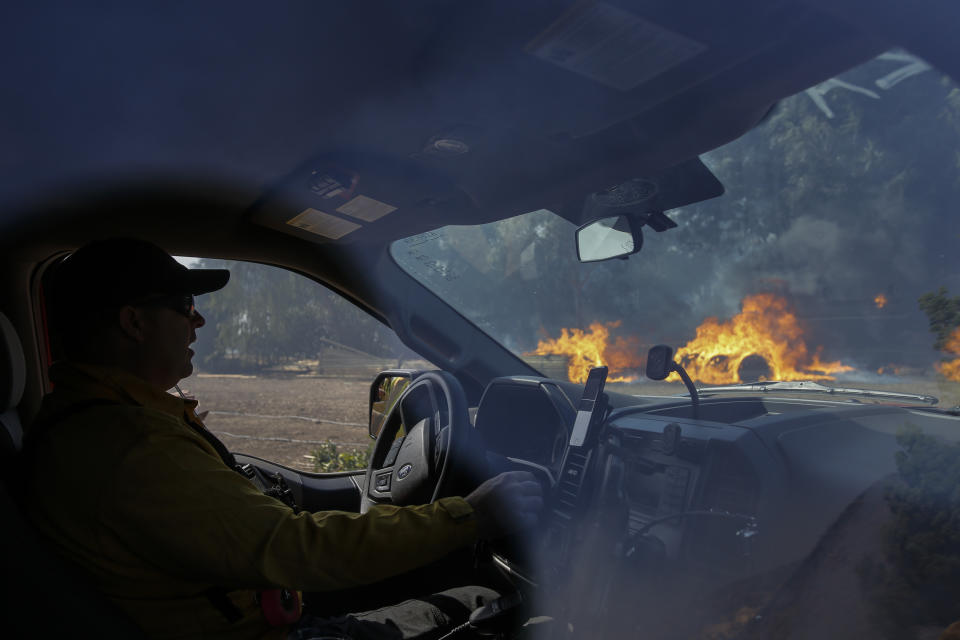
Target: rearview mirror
(384,392)
(606,238)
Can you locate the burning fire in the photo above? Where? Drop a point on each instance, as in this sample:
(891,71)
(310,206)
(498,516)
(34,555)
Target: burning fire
(951,369)
(880,300)
(891,370)
(765,327)
(592,349)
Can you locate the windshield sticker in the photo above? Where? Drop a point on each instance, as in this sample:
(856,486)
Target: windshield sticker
(422,264)
(366,209)
(613,47)
(322,224)
(913,66)
(421,257)
(421,238)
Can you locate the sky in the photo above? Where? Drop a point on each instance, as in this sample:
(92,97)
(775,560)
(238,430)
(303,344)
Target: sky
(186,261)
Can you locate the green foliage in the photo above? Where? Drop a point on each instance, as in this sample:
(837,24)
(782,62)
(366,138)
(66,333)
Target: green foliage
(943,313)
(923,540)
(327,458)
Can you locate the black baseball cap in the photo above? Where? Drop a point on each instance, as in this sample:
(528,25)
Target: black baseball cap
(118,271)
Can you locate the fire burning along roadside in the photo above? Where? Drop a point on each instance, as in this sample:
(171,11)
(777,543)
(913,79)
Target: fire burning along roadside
(764,341)
(951,368)
(592,348)
(766,327)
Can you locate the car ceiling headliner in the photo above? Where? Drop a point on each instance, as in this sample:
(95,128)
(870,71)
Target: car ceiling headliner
(224,102)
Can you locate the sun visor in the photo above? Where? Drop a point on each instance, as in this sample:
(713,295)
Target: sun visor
(354,197)
(357,197)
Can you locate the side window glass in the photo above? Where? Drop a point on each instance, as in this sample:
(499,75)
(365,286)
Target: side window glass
(283,367)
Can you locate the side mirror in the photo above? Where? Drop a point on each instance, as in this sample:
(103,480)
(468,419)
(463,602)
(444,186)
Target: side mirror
(606,238)
(384,392)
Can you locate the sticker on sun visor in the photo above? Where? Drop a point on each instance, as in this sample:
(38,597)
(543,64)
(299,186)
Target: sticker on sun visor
(322,224)
(612,46)
(366,209)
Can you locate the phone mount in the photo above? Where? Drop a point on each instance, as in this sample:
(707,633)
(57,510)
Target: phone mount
(660,364)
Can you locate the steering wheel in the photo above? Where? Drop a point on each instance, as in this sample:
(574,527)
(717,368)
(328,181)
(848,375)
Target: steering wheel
(427,448)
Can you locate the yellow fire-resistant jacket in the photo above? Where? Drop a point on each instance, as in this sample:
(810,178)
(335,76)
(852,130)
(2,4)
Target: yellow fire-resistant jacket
(144,504)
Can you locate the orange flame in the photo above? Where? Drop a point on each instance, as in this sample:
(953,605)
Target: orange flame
(892,369)
(592,349)
(765,327)
(951,369)
(880,300)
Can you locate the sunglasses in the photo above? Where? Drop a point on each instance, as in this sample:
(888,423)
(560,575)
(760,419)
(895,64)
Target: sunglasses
(182,304)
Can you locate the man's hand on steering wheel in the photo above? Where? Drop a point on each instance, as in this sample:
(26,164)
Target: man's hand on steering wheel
(506,503)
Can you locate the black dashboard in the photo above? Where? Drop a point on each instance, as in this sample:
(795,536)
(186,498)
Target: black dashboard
(750,484)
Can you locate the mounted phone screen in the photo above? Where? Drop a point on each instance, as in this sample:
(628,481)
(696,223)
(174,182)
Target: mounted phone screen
(588,404)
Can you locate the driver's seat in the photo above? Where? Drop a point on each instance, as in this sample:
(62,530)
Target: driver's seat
(45,595)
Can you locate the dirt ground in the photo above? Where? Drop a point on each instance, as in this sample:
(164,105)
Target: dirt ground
(283,418)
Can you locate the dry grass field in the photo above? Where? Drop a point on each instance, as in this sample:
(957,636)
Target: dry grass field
(284,417)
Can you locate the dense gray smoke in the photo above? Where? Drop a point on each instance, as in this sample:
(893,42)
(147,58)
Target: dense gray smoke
(834,212)
(841,202)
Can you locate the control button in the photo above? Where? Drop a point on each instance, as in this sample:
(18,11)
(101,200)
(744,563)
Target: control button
(383,481)
(391,458)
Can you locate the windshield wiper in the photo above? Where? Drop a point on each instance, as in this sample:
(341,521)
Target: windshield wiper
(809,386)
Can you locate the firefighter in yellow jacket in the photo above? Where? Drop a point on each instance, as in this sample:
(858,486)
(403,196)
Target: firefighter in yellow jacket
(163,525)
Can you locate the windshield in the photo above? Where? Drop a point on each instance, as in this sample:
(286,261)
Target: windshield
(831,256)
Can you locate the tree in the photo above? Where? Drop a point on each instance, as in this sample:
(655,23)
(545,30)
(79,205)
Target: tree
(268,315)
(923,538)
(943,313)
